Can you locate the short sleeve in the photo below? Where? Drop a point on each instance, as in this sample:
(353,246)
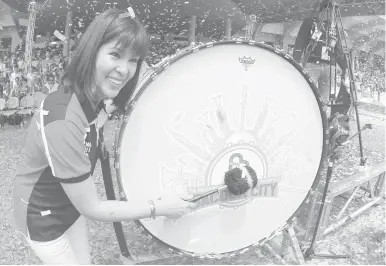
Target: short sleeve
(65,150)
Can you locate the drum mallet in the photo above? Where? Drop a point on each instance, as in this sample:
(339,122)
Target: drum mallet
(237,180)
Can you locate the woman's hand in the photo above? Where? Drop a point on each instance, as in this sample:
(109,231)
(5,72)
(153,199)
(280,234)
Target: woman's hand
(173,207)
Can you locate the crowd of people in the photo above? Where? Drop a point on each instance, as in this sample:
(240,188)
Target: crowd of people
(160,50)
(48,63)
(370,76)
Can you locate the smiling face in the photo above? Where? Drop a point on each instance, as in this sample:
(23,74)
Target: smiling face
(114,67)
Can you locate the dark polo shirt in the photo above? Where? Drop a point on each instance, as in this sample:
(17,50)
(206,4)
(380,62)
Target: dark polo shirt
(60,148)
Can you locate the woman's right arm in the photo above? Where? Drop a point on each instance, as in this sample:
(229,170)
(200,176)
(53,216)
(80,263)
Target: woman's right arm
(85,199)
(71,166)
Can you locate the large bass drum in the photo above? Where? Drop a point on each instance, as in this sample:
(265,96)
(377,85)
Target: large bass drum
(211,108)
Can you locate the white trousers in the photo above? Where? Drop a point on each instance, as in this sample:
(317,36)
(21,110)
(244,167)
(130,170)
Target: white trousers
(70,248)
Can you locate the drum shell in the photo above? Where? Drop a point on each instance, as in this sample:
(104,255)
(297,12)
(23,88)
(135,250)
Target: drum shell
(152,75)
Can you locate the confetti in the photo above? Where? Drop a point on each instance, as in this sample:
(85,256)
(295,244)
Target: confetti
(172,16)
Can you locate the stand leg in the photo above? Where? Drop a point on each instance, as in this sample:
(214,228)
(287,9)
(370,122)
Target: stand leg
(281,245)
(290,234)
(108,181)
(311,213)
(352,216)
(380,186)
(284,245)
(279,259)
(310,252)
(370,185)
(353,91)
(325,217)
(347,203)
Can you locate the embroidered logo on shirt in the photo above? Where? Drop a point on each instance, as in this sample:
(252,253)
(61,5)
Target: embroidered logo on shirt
(87,142)
(45,213)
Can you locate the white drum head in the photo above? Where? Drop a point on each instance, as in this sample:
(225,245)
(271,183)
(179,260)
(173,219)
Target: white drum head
(220,107)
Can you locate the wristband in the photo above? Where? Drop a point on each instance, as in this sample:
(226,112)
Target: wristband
(152,210)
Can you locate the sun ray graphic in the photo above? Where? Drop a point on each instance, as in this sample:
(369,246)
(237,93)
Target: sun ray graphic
(262,146)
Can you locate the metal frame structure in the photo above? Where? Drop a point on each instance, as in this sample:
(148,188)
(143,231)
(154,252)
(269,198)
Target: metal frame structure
(360,181)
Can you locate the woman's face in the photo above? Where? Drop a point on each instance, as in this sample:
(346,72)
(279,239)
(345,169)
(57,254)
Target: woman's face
(114,68)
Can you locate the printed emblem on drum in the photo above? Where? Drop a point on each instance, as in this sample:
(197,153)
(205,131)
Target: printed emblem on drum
(205,168)
(247,62)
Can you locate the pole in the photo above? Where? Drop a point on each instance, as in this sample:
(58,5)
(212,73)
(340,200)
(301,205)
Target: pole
(286,35)
(228,29)
(32,9)
(250,26)
(192,30)
(48,38)
(67,33)
(352,90)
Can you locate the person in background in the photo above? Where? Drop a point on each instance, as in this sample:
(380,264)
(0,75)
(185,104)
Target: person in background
(23,88)
(49,83)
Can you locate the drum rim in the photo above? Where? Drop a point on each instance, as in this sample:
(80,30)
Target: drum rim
(162,66)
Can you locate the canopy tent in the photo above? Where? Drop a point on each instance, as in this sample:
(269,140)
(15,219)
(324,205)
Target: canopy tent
(172,16)
(6,18)
(10,17)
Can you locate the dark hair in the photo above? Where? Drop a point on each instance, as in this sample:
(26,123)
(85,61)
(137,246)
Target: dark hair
(79,76)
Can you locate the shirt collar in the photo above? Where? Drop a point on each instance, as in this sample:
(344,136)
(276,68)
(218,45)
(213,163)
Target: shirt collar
(91,115)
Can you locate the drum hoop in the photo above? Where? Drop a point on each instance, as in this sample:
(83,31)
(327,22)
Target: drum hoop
(131,105)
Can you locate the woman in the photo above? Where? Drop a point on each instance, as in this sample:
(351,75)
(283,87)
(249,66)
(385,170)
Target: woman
(54,192)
